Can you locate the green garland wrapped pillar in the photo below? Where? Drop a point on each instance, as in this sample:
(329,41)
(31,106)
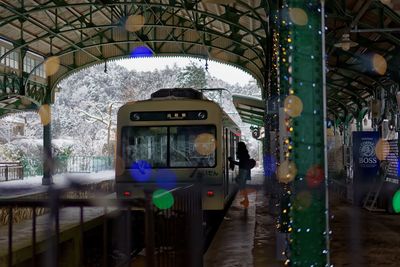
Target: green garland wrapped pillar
(305,104)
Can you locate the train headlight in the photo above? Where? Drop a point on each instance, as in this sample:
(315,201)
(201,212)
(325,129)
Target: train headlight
(135,116)
(202,115)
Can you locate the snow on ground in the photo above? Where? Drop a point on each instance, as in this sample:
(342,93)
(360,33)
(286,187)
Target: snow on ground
(33,184)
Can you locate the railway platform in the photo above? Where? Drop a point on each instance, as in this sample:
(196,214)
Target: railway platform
(246,237)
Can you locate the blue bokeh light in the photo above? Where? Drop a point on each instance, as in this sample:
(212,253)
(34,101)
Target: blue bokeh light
(269,165)
(398,166)
(166,178)
(140,170)
(141,51)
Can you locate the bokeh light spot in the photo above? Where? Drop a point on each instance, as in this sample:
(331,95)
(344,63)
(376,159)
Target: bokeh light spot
(379,64)
(396,202)
(166,178)
(382,149)
(119,166)
(293,106)
(386,2)
(134,23)
(51,65)
(45,114)
(140,170)
(269,165)
(204,144)
(286,171)
(298,16)
(314,176)
(398,166)
(141,51)
(162,199)
(302,200)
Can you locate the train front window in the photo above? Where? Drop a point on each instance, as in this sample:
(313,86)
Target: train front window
(144,143)
(188,146)
(192,146)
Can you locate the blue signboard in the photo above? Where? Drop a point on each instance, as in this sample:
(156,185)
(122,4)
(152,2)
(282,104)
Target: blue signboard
(365,163)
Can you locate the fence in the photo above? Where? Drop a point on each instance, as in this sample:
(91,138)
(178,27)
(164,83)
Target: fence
(11,171)
(72,164)
(172,236)
(177,238)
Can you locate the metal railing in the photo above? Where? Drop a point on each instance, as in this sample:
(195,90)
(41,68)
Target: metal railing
(172,237)
(11,171)
(178,233)
(69,164)
(82,164)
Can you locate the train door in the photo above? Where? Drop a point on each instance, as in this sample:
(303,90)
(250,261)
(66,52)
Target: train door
(225,155)
(232,152)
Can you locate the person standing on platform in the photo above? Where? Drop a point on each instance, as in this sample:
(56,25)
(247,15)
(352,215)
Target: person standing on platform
(243,156)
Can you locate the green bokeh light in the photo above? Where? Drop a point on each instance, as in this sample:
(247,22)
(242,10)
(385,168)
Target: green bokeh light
(396,202)
(163,199)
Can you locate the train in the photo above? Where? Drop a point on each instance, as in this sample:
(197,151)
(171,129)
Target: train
(175,138)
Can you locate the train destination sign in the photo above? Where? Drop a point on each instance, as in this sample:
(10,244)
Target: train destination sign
(169,115)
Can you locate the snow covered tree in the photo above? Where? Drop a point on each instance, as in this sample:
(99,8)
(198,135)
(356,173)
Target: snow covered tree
(192,76)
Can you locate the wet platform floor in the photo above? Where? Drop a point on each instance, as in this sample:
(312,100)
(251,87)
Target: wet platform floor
(358,237)
(246,237)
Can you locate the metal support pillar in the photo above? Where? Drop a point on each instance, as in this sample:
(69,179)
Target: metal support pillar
(47,156)
(359,125)
(45,118)
(310,235)
(266,95)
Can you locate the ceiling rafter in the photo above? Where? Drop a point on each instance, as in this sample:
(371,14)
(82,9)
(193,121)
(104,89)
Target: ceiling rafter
(117,3)
(46,28)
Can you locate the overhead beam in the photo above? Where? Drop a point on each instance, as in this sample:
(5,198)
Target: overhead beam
(45,28)
(361,13)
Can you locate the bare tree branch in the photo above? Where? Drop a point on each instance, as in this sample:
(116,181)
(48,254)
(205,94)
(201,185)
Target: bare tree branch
(96,118)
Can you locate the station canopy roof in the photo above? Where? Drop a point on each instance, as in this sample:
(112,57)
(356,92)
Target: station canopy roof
(250,109)
(87,32)
(81,33)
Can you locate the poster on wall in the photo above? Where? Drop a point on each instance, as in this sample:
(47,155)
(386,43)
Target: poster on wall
(393,175)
